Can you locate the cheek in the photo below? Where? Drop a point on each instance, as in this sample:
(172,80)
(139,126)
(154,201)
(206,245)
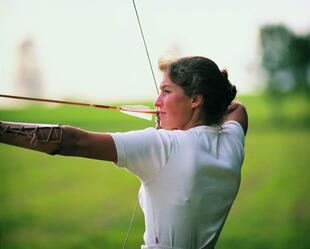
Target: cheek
(172,105)
(178,106)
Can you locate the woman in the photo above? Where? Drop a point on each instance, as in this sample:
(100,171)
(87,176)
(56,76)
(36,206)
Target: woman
(189,168)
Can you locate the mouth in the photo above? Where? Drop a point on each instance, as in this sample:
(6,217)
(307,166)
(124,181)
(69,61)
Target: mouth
(159,112)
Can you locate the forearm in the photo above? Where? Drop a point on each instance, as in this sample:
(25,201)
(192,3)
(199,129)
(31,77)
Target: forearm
(58,139)
(50,139)
(237,112)
(233,107)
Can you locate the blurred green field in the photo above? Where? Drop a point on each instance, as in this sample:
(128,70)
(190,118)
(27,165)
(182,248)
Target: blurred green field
(71,203)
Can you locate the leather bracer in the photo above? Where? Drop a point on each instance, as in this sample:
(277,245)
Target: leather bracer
(40,137)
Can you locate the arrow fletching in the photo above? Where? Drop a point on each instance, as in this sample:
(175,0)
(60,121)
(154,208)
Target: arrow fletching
(139,111)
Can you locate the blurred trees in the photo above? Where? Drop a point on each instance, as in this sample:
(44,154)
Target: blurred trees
(286,59)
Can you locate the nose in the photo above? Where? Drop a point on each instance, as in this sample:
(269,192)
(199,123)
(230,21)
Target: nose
(158,101)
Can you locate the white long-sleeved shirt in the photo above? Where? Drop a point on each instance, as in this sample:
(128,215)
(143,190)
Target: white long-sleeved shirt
(189,181)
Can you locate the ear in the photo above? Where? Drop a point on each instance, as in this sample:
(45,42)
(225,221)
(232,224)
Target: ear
(197,101)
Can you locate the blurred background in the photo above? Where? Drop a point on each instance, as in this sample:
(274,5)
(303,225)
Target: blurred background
(92,51)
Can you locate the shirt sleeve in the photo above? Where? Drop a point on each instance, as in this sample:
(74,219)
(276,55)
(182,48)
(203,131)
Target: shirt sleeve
(142,152)
(235,129)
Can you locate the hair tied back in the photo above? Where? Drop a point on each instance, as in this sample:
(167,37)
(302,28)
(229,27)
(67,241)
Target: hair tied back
(232,90)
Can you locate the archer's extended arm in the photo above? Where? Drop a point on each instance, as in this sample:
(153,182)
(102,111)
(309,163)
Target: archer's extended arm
(58,139)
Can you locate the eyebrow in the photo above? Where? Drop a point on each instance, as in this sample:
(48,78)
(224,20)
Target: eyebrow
(165,85)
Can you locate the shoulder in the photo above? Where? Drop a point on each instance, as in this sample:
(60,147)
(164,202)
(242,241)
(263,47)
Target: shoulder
(234,129)
(142,139)
(141,134)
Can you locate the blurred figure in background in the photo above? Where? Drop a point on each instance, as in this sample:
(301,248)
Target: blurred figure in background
(28,72)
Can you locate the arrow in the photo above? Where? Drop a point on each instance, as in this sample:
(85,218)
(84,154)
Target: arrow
(140,111)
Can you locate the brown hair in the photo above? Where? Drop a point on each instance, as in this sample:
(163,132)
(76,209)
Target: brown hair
(200,75)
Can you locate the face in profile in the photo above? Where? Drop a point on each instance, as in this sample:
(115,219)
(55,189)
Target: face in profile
(174,108)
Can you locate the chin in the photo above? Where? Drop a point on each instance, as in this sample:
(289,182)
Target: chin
(167,127)
(162,126)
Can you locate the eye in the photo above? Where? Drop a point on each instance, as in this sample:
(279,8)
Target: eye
(167,91)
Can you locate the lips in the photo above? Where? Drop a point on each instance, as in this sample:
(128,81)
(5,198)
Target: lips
(160,112)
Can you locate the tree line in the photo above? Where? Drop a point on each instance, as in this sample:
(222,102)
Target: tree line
(285,57)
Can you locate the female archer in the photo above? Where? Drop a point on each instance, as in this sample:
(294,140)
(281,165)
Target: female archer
(189,168)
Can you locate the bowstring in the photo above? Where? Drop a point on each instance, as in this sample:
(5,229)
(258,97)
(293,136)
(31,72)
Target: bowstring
(130,224)
(145,46)
(156,87)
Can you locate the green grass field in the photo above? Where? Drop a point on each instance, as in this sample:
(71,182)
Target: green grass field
(60,202)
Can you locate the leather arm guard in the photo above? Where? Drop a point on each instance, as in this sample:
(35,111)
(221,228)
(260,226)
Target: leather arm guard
(40,137)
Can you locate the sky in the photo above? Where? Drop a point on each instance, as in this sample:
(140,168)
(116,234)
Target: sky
(93,51)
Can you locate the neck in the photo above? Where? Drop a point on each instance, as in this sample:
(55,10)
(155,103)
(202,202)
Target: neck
(196,120)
